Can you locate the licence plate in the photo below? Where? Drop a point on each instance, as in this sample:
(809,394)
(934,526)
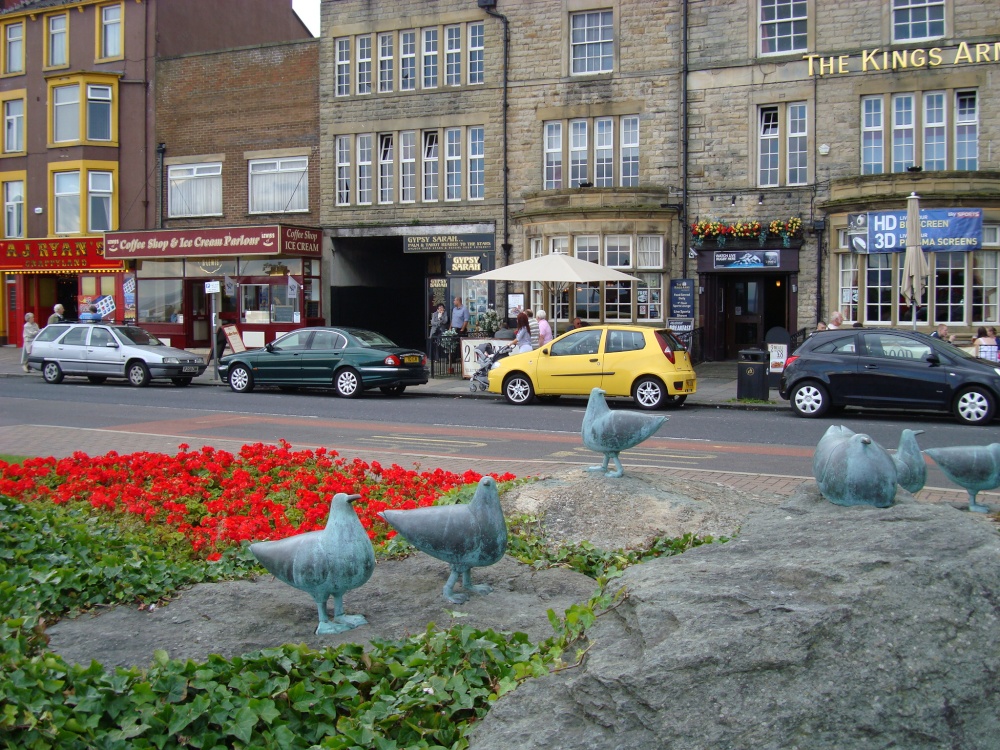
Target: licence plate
(411,359)
(689,385)
(189,369)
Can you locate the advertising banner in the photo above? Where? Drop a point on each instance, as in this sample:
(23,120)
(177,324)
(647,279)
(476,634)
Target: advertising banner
(747,259)
(942,230)
(56,255)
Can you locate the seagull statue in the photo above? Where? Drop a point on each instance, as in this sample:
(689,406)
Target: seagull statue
(974,467)
(611,432)
(911,468)
(325,563)
(464,536)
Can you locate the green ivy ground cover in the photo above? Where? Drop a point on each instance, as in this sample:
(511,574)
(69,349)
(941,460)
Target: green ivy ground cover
(423,692)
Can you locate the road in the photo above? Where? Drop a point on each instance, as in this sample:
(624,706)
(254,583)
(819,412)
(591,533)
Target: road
(430,430)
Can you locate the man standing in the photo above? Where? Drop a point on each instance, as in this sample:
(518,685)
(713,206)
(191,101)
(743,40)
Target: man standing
(533,329)
(459,317)
(836,320)
(57,315)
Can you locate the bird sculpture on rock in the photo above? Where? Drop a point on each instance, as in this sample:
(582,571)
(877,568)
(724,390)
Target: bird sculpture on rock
(974,467)
(911,468)
(611,432)
(465,536)
(852,469)
(325,563)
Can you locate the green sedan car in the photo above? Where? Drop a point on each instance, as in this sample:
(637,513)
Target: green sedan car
(349,360)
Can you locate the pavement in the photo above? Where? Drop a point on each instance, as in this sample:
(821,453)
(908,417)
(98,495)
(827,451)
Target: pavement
(717,387)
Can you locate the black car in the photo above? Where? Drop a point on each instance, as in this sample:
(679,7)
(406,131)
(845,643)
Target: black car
(349,360)
(889,369)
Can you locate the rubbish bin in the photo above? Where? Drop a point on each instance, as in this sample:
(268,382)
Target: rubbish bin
(751,379)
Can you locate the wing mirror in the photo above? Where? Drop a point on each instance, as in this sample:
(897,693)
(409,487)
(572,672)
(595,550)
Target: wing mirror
(111,345)
(932,359)
(269,347)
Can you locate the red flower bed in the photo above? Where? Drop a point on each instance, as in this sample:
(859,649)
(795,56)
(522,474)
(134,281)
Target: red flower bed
(218,500)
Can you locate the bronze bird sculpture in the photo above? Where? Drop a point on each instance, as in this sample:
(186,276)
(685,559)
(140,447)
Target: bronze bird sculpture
(911,468)
(852,469)
(325,563)
(464,536)
(611,432)
(974,467)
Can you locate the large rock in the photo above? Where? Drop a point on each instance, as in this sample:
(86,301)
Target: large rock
(819,627)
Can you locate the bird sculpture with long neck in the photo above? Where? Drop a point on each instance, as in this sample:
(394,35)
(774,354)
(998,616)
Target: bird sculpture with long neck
(911,468)
(464,536)
(611,432)
(974,467)
(325,563)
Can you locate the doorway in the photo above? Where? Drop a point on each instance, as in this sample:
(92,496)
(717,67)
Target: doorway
(196,320)
(747,307)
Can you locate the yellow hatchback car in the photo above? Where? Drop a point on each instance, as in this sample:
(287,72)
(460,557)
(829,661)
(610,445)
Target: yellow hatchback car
(652,366)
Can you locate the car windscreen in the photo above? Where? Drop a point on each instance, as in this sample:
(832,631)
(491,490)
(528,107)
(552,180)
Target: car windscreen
(138,336)
(371,338)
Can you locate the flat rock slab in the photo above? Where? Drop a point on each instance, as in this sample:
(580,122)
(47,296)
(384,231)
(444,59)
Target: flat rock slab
(819,627)
(629,511)
(239,617)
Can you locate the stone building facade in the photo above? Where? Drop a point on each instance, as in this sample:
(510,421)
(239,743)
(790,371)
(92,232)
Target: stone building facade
(608,129)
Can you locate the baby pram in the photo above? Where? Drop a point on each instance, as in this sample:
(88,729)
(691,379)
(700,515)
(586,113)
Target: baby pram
(486,355)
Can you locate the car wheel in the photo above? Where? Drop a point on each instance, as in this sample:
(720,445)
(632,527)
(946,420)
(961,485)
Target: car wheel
(96,379)
(240,379)
(180,382)
(649,393)
(393,390)
(974,405)
(348,383)
(517,389)
(672,402)
(810,399)
(52,373)
(138,374)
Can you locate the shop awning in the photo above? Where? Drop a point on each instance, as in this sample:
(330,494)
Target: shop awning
(271,239)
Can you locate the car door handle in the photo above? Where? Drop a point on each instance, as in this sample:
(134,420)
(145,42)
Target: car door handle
(871,367)
(595,359)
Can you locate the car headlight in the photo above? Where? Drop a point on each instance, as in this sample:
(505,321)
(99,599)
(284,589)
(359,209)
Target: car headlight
(171,361)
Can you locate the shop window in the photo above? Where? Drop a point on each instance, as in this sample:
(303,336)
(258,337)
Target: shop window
(782,157)
(385,62)
(13,132)
(477,164)
(649,296)
(343,170)
(160,300)
(99,195)
(13,208)
(649,251)
(592,42)
(67,202)
(913,20)
(453,55)
(269,303)
(618,300)
(985,286)
(618,251)
(880,292)
(476,53)
(783,26)
(110,31)
(56,49)
(343,67)
(407,60)
(13,48)
(918,126)
(847,279)
(430,58)
(949,287)
(279,185)
(194,190)
(364,64)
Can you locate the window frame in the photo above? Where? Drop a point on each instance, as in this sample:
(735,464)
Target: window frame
(408,166)
(477,162)
(63,201)
(552,160)
(82,107)
(453,55)
(775,139)
(92,103)
(386,62)
(14,211)
(365,144)
(579,152)
(13,48)
(284,165)
(429,54)
(386,168)
(104,38)
(453,164)
(105,196)
(476,33)
(342,149)
(904,8)
(582,47)
(792,27)
(14,123)
(342,67)
(870,133)
(363,64)
(408,60)
(210,172)
(51,36)
(430,166)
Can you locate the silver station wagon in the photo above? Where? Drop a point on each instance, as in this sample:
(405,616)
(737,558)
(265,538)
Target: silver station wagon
(99,351)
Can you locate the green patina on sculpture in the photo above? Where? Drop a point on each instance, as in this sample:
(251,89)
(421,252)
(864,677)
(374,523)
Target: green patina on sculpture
(611,432)
(974,467)
(852,469)
(465,536)
(325,563)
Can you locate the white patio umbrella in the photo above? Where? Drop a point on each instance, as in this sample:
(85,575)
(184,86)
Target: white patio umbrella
(555,271)
(915,267)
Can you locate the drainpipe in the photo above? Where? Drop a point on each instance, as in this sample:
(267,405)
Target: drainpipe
(490,7)
(684,138)
(161,149)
